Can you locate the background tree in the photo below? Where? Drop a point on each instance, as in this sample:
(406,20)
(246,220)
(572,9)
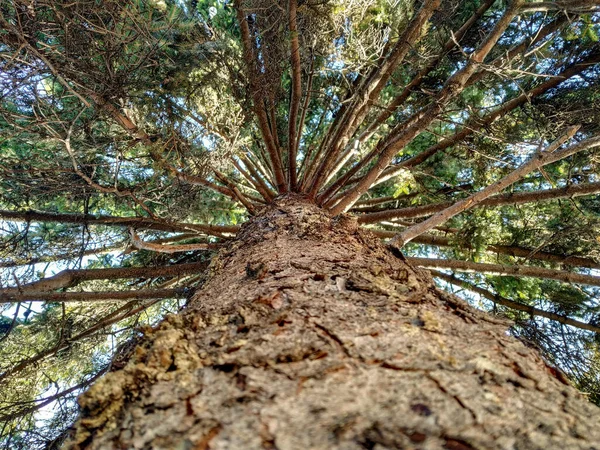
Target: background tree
(137,136)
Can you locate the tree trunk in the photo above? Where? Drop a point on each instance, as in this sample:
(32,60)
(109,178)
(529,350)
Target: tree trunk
(309,334)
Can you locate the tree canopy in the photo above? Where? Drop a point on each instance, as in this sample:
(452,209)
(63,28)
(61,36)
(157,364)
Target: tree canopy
(136,136)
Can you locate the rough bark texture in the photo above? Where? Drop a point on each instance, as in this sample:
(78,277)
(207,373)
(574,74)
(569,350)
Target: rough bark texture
(309,334)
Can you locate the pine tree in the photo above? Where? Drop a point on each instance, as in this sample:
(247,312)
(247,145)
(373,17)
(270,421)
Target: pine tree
(241,224)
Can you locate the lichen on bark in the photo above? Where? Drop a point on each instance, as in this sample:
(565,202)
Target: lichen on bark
(308,333)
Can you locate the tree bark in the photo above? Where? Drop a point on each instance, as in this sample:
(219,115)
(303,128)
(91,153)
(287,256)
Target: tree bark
(309,334)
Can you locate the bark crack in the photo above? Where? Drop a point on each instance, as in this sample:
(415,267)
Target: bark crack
(455,397)
(331,335)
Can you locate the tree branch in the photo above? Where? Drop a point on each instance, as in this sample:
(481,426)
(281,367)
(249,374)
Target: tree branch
(296,94)
(511,198)
(259,108)
(510,250)
(69,278)
(368,92)
(403,134)
(129,222)
(431,65)
(572,6)
(255,179)
(549,155)
(472,126)
(512,304)
(160,248)
(102,296)
(499,269)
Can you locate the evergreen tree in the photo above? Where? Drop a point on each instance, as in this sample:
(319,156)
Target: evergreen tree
(241,223)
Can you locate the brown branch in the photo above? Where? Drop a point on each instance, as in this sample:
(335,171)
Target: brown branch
(549,155)
(161,248)
(403,134)
(129,222)
(258,103)
(473,125)
(254,179)
(260,161)
(125,122)
(369,91)
(309,163)
(512,304)
(372,205)
(502,270)
(513,198)
(100,296)
(510,250)
(69,278)
(258,178)
(431,65)
(196,180)
(296,95)
(307,96)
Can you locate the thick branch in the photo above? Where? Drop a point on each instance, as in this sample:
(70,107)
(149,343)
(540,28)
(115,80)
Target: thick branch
(511,198)
(512,271)
(101,296)
(161,248)
(69,278)
(254,178)
(369,91)
(307,97)
(257,100)
(296,94)
(512,304)
(472,126)
(549,155)
(510,250)
(129,222)
(404,134)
